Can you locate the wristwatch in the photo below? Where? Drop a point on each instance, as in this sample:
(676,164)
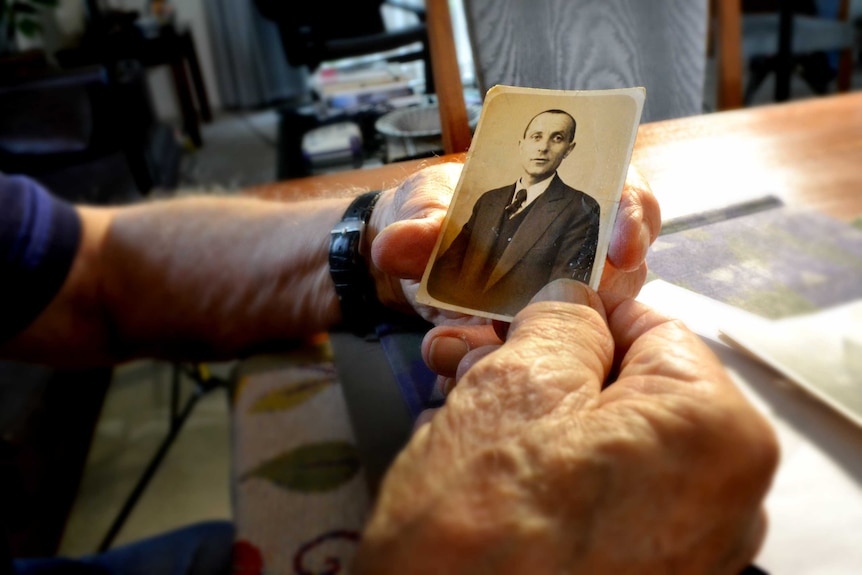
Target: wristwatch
(354,286)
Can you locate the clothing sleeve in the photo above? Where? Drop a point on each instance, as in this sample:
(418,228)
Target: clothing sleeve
(39,236)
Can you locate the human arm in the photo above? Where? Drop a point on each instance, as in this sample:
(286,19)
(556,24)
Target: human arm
(202,277)
(535,465)
(208,277)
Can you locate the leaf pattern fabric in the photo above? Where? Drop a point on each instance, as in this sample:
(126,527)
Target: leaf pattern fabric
(312,467)
(300,495)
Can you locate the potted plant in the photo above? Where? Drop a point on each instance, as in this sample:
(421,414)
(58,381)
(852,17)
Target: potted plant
(20,17)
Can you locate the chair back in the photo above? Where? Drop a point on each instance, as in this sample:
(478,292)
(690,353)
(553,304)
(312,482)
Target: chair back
(595,44)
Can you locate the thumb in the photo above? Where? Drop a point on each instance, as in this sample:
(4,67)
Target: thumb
(571,291)
(403,248)
(565,331)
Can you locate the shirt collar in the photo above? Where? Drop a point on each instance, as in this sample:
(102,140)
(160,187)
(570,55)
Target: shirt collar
(535,190)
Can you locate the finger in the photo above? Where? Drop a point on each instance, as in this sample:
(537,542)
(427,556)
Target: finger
(471,359)
(624,283)
(570,291)
(563,338)
(640,332)
(637,224)
(444,347)
(447,384)
(673,381)
(408,219)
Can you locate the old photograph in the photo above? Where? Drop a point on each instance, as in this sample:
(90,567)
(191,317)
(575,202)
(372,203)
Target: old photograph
(536,200)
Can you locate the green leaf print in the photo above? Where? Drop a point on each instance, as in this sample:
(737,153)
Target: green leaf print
(289,397)
(313,467)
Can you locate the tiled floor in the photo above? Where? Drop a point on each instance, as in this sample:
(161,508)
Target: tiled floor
(192,483)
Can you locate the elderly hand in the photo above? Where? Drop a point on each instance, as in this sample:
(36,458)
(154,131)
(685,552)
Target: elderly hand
(405,225)
(536,465)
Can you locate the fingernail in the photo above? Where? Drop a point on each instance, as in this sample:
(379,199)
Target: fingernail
(446,353)
(564,290)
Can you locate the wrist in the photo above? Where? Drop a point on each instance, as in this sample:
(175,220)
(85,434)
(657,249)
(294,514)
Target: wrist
(380,217)
(350,264)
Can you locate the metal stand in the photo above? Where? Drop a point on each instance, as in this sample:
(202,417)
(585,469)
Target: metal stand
(204,382)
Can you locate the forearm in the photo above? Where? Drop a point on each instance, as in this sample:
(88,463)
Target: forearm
(193,278)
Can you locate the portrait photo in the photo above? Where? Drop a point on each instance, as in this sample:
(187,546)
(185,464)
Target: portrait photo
(536,200)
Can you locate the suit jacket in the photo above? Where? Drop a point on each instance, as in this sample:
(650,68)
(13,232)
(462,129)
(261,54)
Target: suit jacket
(557,239)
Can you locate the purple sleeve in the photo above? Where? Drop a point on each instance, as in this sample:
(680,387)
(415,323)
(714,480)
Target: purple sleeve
(39,236)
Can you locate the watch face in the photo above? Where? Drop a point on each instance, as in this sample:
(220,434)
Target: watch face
(344,255)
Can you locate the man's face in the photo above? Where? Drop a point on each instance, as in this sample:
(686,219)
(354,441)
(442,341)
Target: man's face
(546,144)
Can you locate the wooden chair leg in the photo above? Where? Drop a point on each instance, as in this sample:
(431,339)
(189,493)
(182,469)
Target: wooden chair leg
(845,70)
(845,63)
(728,19)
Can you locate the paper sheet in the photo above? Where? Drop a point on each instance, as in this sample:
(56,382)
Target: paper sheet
(820,351)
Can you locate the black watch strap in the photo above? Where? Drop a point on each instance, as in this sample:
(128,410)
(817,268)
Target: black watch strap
(360,308)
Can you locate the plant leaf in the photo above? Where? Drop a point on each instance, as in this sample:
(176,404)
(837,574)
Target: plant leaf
(315,467)
(46,3)
(291,396)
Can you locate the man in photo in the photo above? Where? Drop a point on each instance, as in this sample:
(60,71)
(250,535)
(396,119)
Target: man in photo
(523,235)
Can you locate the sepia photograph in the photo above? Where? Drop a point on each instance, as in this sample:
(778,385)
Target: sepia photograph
(536,199)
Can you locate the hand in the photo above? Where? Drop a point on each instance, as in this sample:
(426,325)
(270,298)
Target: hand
(534,465)
(403,229)
(409,218)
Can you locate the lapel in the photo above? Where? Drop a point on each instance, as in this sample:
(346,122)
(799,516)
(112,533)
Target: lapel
(484,230)
(548,207)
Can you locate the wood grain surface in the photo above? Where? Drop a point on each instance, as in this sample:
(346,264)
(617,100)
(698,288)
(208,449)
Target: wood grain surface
(807,153)
(595,44)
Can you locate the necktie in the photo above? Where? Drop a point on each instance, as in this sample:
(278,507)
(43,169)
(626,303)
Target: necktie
(516,204)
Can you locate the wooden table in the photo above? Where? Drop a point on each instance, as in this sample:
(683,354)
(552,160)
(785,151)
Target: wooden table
(808,153)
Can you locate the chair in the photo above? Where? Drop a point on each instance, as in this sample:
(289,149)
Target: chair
(583,45)
(780,38)
(595,44)
(317,32)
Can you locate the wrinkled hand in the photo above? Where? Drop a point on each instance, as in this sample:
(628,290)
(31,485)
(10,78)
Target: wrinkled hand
(407,220)
(534,466)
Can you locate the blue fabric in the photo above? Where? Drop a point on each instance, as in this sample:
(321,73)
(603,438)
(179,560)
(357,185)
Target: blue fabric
(200,549)
(39,235)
